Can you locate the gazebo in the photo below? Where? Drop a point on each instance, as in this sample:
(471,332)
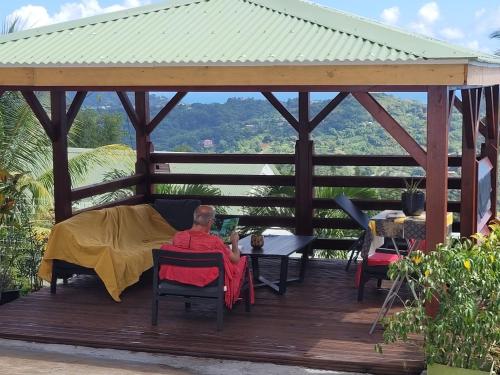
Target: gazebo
(267,46)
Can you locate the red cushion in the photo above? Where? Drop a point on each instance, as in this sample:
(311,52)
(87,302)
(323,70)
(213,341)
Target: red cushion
(382,259)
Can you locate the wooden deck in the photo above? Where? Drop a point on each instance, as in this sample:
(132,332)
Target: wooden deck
(317,324)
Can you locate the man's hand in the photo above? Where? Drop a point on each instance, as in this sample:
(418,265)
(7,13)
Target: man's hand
(235,237)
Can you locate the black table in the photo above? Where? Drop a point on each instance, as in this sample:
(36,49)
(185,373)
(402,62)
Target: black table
(282,247)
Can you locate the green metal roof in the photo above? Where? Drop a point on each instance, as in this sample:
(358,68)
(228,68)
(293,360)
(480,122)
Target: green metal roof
(225,32)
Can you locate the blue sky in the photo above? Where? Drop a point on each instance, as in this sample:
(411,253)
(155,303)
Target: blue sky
(464,22)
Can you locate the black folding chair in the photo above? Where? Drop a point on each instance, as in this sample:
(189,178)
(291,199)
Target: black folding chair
(363,220)
(213,291)
(360,218)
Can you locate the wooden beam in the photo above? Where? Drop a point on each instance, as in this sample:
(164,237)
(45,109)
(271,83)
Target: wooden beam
(492,147)
(105,187)
(62,179)
(165,111)
(457,103)
(143,144)
(282,110)
(437,161)
(392,127)
(304,170)
(468,212)
(129,109)
(39,112)
(451,101)
(468,112)
(75,106)
(491,117)
(191,157)
(329,108)
(302,75)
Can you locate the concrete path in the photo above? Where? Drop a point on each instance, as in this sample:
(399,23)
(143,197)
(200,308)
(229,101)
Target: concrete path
(19,358)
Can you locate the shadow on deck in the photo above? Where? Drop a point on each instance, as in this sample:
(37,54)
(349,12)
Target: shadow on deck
(317,324)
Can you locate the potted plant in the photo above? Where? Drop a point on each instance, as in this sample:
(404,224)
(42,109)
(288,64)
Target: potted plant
(8,256)
(412,198)
(464,276)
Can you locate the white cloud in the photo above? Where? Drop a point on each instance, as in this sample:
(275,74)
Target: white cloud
(452,33)
(390,15)
(429,13)
(34,15)
(422,28)
(480,12)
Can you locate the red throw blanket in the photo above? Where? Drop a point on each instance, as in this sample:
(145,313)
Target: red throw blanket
(197,241)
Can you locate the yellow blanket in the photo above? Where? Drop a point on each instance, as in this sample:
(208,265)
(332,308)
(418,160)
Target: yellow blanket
(116,242)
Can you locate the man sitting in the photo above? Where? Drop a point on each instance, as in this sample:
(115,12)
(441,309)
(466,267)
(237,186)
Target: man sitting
(199,239)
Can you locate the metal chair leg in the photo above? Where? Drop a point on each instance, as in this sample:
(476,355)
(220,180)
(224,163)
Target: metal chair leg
(220,313)
(154,317)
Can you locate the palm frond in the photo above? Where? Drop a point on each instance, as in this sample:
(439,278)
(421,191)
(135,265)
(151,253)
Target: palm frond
(81,165)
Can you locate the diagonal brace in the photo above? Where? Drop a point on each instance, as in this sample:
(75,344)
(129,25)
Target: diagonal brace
(39,112)
(281,109)
(129,108)
(330,107)
(75,106)
(393,127)
(165,111)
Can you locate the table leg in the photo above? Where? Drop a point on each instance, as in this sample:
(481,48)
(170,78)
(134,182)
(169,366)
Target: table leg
(255,268)
(303,263)
(283,275)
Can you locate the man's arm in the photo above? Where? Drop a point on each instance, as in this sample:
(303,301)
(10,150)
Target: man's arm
(234,256)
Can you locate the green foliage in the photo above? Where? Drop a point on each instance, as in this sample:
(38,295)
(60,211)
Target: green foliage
(464,276)
(97,129)
(21,246)
(117,194)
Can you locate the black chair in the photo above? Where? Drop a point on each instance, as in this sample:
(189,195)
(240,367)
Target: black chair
(360,218)
(363,220)
(213,291)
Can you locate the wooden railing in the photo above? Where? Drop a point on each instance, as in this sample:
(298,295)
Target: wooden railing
(380,182)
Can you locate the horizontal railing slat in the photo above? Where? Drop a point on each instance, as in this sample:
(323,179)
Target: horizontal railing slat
(263,221)
(106,187)
(374,161)
(244,201)
(129,201)
(212,179)
(373,204)
(373,181)
(181,157)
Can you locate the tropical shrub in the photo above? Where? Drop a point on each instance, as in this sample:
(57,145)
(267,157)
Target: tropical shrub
(464,276)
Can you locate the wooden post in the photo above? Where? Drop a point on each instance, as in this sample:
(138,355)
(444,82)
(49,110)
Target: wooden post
(468,210)
(437,165)
(62,179)
(492,123)
(304,171)
(143,143)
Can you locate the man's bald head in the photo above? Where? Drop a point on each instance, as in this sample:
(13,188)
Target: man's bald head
(203,215)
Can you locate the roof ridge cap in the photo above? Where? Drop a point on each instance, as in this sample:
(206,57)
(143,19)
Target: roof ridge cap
(95,19)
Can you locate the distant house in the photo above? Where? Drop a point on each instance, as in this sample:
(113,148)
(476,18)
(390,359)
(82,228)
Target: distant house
(207,143)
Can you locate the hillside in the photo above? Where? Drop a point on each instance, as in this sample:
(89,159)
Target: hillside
(251,125)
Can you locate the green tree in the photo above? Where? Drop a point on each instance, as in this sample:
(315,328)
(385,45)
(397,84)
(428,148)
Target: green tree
(97,129)
(26,150)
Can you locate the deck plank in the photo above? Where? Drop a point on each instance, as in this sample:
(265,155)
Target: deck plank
(317,324)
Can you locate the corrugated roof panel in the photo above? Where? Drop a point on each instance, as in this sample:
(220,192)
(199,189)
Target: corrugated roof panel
(204,32)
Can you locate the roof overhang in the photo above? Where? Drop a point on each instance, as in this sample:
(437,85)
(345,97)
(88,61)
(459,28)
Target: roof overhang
(249,76)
